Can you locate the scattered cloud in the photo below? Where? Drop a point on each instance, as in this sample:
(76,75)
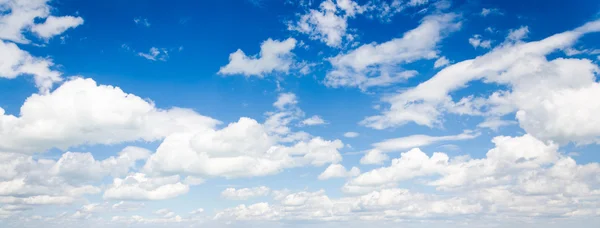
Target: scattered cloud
(142,21)
(351,134)
(275,56)
(490,11)
(313,120)
(245,193)
(372,65)
(155,54)
(476,41)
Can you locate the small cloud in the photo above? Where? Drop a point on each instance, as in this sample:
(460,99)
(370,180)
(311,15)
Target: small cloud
(351,134)
(518,34)
(485,12)
(476,41)
(141,21)
(442,61)
(314,120)
(155,54)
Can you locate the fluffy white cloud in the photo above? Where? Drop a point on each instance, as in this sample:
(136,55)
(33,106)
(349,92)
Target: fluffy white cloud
(29,181)
(313,120)
(378,64)
(138,186)
(245,148)
(386,204)
(19,16)
(490,11)
(329,23)
(15,62)
(476,41)
(245,193)
(338,171)
(441,62)
(83,166)
(275,56)
(83,112)
(56,25)
(241,149)
(374,157)
(510,64)
(285,99)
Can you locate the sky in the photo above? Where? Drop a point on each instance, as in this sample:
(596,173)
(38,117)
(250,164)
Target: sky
(307,113)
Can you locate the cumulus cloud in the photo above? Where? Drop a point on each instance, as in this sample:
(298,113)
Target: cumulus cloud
(477,41)
(245,148)
(285,99)
(374,157)
(138,186)
(28,181)
(274,56)
(82,112)
(380,64)
(441,62)
(56,25)
(19,16)
(329,23)
(338,171)
(15,62)
(245,193)
(541,108)
(313,120)
(351,134)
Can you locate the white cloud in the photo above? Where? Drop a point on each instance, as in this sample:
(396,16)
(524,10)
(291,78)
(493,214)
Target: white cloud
(83,166)
(351,134)
(142,21)
(378,64)
(155,54)
(138,186)
(83,112)
(518,34)
(329,24)
(374,157)
(413,141)
(19,16)
(495,123)
(127,206)
(56,25)
(338,171)
(245,148)
(285,99)
(275,56)
(245,193)
(313,120)
(28,181)
(476,42)
(509,64)
(441,62)
(15,62)
(490,11)
(259,211)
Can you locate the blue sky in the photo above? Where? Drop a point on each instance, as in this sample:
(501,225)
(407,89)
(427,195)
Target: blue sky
(335,113)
